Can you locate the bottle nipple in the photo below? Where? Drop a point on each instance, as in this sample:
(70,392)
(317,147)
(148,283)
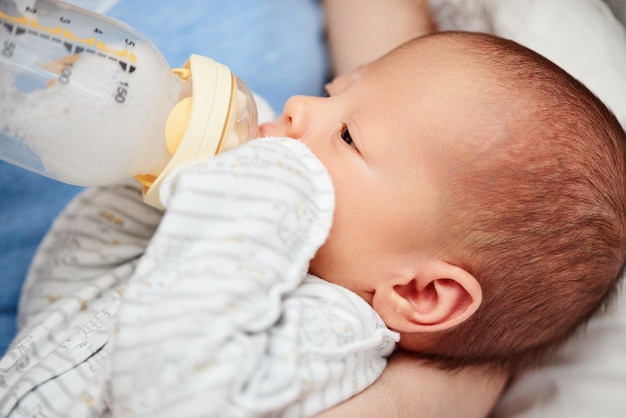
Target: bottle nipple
(177,124)
(175,127)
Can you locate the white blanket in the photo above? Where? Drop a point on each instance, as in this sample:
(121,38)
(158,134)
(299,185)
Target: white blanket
(217,319)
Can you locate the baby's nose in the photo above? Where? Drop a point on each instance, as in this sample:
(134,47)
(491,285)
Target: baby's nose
(296,116)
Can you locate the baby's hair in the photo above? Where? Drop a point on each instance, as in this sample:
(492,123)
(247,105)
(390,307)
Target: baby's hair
(544,226)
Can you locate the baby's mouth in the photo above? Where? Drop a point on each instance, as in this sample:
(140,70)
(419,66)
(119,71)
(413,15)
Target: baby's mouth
(267,129)
(262,128)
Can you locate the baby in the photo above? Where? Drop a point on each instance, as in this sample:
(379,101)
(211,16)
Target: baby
(481,202)
(479,208)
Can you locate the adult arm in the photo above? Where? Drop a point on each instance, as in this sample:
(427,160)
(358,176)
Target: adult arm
(360,31)
(408,388)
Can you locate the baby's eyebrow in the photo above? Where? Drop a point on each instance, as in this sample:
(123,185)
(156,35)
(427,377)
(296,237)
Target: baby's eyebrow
(331,87)
(326,89)
(340,82)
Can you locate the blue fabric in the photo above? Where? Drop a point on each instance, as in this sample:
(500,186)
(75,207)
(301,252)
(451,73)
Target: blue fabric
(275,46)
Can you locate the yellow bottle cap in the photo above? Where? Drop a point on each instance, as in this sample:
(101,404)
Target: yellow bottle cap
(197,125)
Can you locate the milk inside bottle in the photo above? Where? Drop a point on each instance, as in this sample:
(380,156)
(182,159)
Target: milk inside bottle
(87,100)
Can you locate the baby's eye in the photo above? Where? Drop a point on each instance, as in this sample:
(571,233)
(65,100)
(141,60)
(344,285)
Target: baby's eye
(345,135)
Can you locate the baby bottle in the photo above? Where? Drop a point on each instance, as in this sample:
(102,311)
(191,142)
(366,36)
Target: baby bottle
(87,100)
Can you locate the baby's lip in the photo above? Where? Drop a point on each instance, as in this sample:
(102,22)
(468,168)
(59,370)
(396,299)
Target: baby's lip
(265,129)
(262,130)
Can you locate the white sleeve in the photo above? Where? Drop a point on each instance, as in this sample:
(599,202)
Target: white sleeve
(214,322)
(101,230)
(58,361)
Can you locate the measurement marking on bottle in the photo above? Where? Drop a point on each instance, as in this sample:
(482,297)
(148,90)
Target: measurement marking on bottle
(14,28)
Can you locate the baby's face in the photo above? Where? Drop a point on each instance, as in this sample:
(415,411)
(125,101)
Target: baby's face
(387,135)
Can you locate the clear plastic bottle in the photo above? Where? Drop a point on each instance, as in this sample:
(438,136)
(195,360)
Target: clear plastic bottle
(87,100)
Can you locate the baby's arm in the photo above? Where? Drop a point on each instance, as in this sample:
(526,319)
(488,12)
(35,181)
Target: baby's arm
(69,303)
(215,317)
(103,229)
(360,31)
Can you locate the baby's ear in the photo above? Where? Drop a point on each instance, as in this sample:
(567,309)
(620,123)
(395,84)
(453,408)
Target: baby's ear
(437,296)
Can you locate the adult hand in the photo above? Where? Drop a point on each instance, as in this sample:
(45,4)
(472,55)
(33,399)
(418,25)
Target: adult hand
(360,31)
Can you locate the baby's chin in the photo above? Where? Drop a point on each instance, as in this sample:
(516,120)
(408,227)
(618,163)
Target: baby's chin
(312,267)
(317,268)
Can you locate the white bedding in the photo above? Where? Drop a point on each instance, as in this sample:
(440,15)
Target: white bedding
(588,379)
